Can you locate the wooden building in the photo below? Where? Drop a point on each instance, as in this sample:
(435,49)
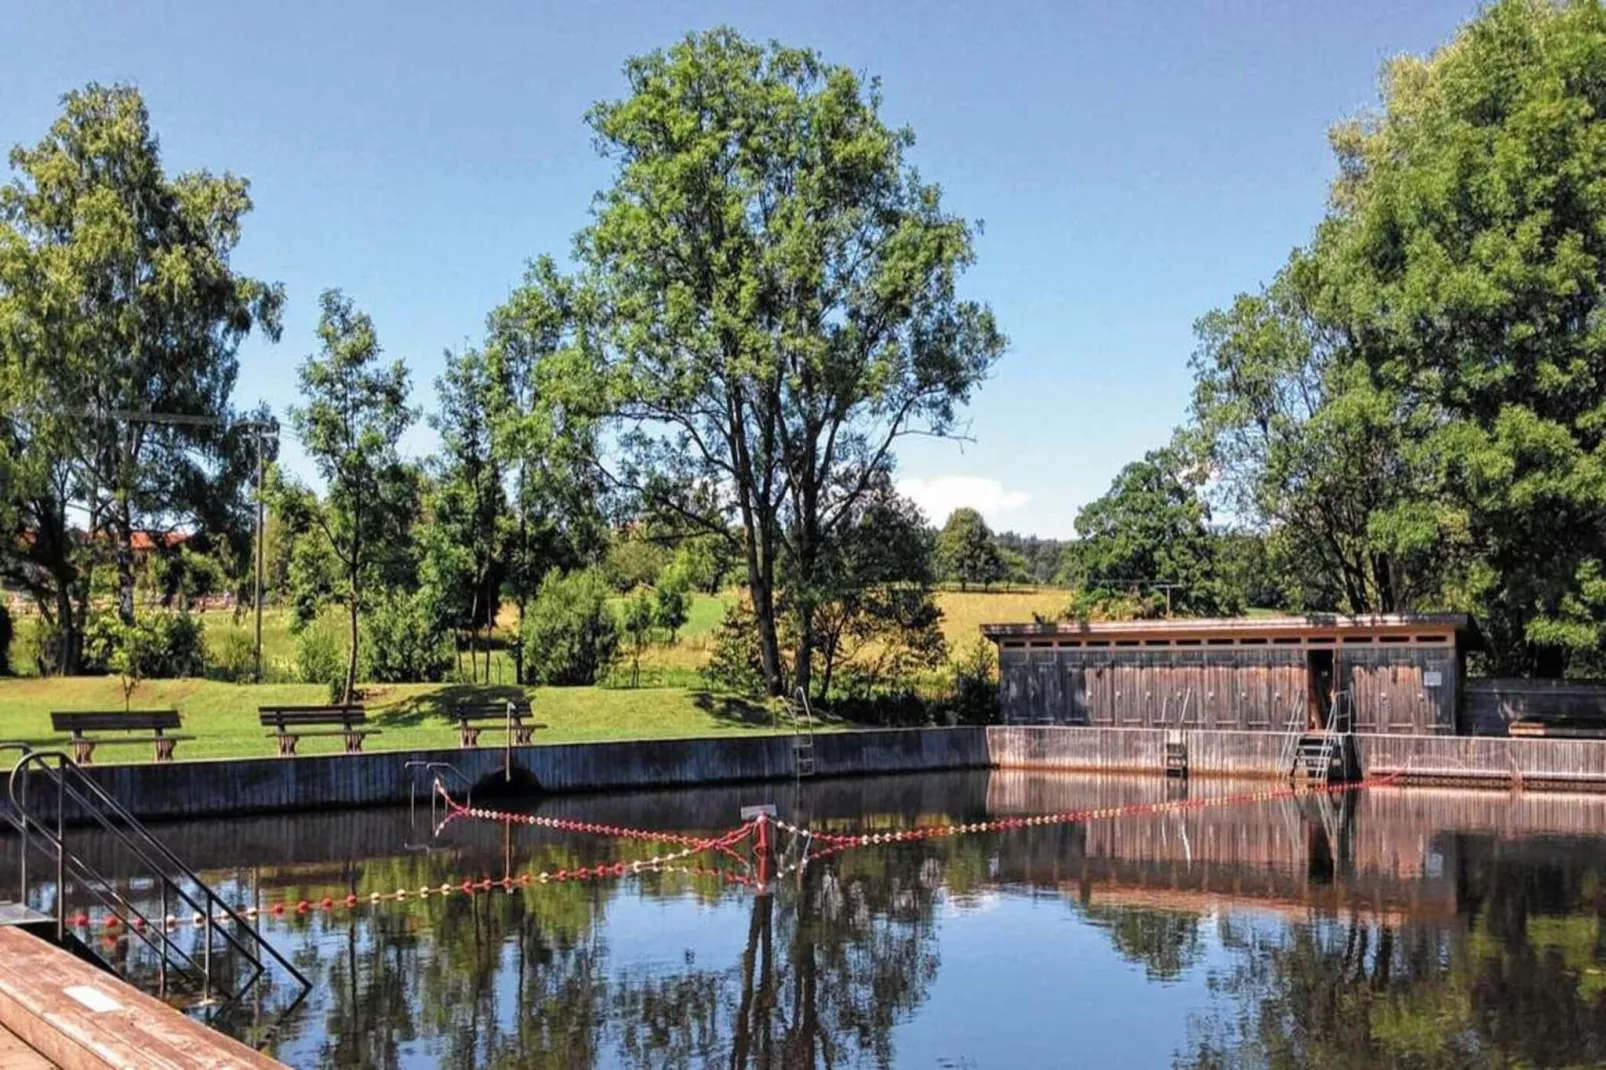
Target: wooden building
(1395,674)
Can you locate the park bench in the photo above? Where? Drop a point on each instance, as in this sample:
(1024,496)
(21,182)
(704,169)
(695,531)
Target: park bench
(157,723)
(291,724)
(474,718)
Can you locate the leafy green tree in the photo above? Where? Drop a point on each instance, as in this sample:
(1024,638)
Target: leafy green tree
(1308,447)
(638,623)
(1467,241)
(571,635)
(546,448)
(671,602)
(465,542)
(966,551)
(782,307)
(353,414)
(117,300)
(1146,540)
(876,617)
(634,560)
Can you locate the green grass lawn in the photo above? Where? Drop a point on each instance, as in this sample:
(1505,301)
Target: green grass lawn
(223,717)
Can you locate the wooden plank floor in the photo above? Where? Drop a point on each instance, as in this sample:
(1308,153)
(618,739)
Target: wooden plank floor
(82,1018)
(15,1055)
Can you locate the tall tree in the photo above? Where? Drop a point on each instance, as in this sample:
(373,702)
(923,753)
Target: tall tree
(546,448)
(1468,240)
(118,300)
(467,535)
(1307,447)
(967,553)
(353,414)
(781,296)
(1146,540)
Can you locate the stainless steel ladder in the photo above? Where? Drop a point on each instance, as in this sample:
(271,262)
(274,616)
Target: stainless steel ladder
(221,929)
(802,737)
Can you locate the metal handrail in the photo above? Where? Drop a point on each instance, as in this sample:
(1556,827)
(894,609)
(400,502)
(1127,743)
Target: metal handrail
(97,803)
(1291,738)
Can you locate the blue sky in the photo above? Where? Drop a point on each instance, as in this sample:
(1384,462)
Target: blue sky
(1136,164)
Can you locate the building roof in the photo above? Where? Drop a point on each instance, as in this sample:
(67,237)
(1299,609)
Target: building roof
(1314,624)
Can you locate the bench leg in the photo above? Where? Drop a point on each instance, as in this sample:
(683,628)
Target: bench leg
(521,736)
(287,746)
(353,743)
(83,751)
(164,749)
(470,736)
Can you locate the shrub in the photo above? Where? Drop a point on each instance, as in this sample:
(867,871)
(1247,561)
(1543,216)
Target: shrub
(736,664)
(321,657)
(671,602)
(154,646)
(5,641)
(235,657)
(973,686)
(570,634)
(403,643)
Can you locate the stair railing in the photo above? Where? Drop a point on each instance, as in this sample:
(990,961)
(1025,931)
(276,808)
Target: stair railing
(175,879)
(1291,735)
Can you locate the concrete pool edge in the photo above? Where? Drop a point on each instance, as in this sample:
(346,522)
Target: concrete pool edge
(219,787)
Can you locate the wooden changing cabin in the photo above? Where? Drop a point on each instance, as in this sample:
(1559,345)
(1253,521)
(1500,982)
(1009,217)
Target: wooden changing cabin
(1394,674)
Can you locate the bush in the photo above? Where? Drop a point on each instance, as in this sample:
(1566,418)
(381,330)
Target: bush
(973,688)
(402,642)
(672,602)
(736,664)
(321,657)
(161,646)
(235,657)
(570,634)
(5,641)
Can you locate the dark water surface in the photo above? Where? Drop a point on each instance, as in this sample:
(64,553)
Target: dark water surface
(1392,927)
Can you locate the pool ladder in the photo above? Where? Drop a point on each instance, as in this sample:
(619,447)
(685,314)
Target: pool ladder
(802,735)
(222,930)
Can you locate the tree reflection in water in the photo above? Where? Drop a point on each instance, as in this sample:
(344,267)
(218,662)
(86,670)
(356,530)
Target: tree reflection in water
(1394,928)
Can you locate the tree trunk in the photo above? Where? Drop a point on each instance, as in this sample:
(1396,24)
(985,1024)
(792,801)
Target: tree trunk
(123,532)
(356,599)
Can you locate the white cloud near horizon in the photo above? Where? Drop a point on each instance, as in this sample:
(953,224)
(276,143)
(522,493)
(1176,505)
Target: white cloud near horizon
(941,495)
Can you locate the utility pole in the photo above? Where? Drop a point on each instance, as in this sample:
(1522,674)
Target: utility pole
(260,430)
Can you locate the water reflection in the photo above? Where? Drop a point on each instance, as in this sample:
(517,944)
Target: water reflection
(1399,927)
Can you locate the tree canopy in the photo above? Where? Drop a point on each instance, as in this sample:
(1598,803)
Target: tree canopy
(781,302)
(118,301)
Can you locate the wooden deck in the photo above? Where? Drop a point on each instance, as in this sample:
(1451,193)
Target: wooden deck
(79,1017)
(15,1055)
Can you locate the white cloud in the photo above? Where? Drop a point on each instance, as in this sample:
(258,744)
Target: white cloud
(941,495)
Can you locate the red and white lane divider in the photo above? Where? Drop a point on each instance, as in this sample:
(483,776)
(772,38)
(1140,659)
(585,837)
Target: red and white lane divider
(837,842)
(563,824)
(664,863)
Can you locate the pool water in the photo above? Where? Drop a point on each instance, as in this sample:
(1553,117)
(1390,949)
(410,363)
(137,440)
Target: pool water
(1385,927)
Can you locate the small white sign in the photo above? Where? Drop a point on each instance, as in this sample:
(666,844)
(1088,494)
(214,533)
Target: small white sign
(1433,678)
(93,998)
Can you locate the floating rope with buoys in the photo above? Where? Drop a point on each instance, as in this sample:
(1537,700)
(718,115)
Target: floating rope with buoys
(829,844)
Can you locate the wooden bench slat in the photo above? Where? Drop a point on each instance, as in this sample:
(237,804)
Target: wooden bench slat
(113,720)
(156,722)
(291,723)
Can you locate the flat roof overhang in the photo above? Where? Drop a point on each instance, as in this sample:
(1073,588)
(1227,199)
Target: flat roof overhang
(1311,626)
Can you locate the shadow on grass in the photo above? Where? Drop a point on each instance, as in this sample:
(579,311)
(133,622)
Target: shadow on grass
(437,705)
(734,709)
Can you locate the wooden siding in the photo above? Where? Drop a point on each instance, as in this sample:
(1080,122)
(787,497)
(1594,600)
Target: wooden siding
(1255,687)
(1492,704)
